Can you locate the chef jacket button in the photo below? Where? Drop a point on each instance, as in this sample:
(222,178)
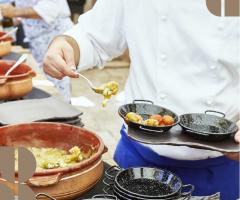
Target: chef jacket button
(220,27)
(213,67)
(164,18)
(163,57)
(209,102)
(162,96)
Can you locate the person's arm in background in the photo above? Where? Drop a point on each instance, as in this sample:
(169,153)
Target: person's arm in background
(8,10)
(96,39)
(48,10)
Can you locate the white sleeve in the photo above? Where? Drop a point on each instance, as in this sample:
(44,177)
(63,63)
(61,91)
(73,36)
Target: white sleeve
(99,33)
(49,10)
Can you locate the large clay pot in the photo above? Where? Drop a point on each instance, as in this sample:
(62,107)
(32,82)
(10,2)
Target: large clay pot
(60,183)
(18,83)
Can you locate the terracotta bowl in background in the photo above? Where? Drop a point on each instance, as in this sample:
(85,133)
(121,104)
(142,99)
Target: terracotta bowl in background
(5,45)
(18,83)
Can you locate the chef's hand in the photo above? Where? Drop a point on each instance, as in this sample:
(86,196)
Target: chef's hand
(235,156)
(60,59)
(7,10)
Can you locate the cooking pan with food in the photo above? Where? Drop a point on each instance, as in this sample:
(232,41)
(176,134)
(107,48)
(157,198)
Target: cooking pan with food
(146,183)
(207,126)
(146,109)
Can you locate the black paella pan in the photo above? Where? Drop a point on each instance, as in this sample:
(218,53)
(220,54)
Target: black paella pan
(146,108)
(207,126)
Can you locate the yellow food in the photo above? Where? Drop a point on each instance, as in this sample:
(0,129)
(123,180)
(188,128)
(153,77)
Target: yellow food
(108,90)
(50,158)
(151,122)
(133,117)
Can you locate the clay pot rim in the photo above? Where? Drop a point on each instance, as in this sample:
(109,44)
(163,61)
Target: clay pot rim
(81,165)
(30,72)
(7,39)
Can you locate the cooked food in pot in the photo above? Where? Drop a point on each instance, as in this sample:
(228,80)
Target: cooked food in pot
(108,90)
(134,117)
(50,158)
(153,120)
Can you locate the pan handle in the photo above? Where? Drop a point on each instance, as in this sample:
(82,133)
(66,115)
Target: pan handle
(108,190)
(108,196)
(32,73)
(105,182)
(187,195)
(213,111)
(44,195)
(150,130)
(140,100)
(44,181)
(109,172)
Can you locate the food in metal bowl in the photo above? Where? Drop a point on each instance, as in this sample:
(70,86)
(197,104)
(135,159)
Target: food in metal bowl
(168,120)
(134,117)
(51,158)
(153,120)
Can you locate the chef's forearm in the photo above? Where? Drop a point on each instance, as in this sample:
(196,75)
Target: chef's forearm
(26,13)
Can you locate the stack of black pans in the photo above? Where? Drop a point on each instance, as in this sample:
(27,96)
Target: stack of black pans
(145,183)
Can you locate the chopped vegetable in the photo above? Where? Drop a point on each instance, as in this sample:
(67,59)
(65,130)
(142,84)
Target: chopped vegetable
(151,122)
(168,120)
(133,117)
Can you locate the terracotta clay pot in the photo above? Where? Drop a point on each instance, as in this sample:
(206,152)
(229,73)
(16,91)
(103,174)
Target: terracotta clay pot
(5,45)
(60,183)
(18,83)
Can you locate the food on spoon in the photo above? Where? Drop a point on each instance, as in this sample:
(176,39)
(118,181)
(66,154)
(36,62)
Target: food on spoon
(168,120)
(50,158)
(108,90)
(134,117)
(151,122)
(157,117)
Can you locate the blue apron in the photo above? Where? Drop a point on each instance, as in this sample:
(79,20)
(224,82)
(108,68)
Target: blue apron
(208,176)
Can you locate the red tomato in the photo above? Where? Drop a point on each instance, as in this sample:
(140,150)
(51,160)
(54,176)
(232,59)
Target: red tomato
(157,117)
(168,120)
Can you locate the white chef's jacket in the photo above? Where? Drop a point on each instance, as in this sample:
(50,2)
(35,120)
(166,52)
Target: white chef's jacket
(182,57)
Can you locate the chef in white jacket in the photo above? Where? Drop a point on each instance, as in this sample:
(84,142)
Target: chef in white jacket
(182,57)
(42,20)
